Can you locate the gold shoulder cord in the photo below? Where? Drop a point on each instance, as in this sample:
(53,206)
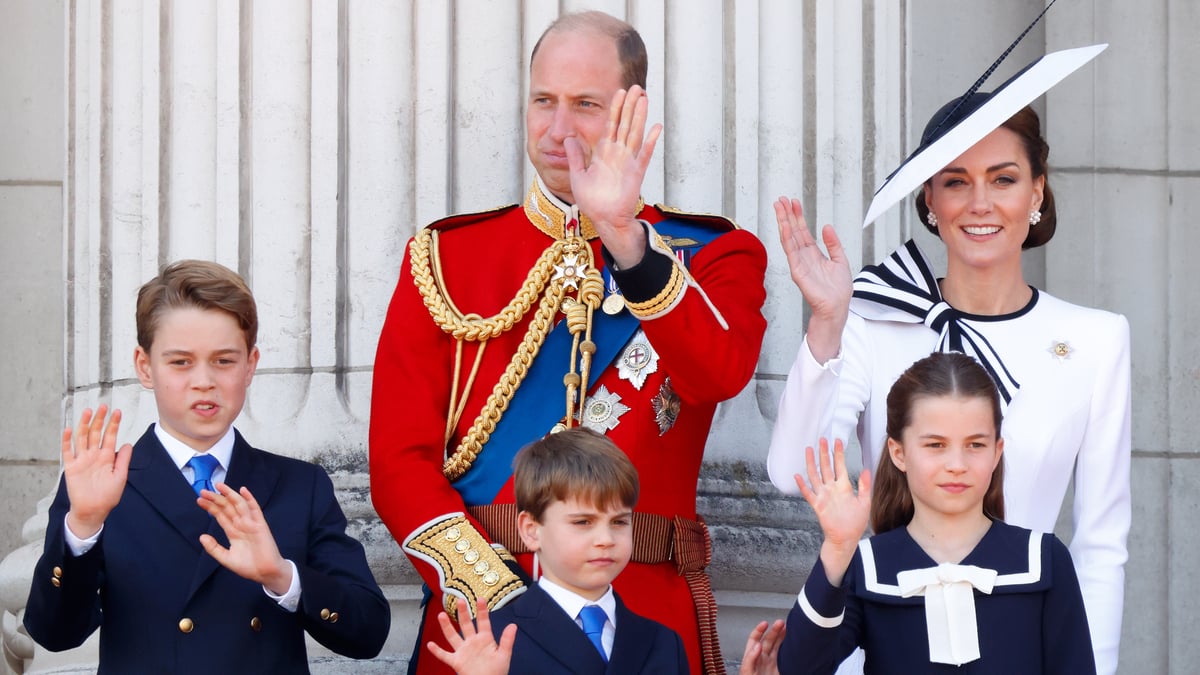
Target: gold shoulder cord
(572,259)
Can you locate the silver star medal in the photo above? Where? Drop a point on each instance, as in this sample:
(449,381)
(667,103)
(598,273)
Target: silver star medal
(571,271)
(1060,349)
(601,411)
(637,361)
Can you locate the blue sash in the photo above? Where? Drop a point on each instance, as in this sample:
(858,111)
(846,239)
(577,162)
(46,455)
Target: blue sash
(537,405)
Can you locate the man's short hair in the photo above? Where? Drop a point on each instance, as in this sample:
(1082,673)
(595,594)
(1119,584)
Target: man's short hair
(197,284)
(574,464)
(631,51)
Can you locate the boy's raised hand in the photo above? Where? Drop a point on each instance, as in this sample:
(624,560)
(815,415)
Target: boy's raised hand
(843,514)
(94,471)
(476,651)
(252,552)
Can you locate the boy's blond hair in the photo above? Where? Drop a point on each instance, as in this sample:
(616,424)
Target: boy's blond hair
(577,463)
(195,284)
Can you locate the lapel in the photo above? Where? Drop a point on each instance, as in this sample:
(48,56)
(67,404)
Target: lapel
(159,481)
(631,643)
(557,634)
(247,468)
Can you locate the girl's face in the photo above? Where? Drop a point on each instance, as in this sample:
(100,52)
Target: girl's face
(948,454)
(982,201)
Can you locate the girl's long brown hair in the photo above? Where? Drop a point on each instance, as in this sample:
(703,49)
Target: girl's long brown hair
(956,375)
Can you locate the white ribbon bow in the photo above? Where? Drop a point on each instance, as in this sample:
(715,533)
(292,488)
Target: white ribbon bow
(949,607)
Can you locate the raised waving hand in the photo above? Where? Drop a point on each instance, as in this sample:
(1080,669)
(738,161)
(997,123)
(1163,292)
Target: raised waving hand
(842,513)
(476,651)
(94,471)
(824,281)
(252,553)
(608,188)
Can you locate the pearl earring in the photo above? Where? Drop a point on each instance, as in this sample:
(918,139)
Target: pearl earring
(931,218)
(1035,217)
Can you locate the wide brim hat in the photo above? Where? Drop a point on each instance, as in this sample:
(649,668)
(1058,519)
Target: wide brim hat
(965,121)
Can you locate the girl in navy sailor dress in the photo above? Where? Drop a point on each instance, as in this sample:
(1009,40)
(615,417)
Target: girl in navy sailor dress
(947,586)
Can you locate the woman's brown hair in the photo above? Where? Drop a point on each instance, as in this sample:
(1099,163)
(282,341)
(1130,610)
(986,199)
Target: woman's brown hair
(936,375)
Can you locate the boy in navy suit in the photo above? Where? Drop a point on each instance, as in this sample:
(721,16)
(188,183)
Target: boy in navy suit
(130,548)
(575,491)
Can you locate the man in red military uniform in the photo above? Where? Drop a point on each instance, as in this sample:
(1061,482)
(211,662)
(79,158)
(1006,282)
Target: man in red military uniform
(501,318)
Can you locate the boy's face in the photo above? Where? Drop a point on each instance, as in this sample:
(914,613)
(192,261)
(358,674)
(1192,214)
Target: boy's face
(580,547)
(199,369)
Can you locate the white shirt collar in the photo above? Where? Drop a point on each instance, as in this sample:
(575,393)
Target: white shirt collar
(572,602)
(181,454)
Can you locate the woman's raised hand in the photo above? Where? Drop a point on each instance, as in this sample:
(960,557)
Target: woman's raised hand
(824,280)
(842,513)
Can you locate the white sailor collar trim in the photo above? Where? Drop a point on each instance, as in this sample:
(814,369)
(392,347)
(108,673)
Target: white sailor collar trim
(1018,569)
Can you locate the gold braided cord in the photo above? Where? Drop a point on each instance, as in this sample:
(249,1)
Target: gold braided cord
(464,455)
(449,319)
(572,259)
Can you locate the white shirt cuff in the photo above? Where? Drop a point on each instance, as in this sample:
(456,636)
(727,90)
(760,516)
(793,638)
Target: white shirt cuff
(291,599)
(76,545)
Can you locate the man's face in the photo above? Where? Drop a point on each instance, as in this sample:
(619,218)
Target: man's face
(571,85)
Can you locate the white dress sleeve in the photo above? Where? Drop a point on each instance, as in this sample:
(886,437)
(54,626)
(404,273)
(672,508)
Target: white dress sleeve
(819,400)
(1101,513)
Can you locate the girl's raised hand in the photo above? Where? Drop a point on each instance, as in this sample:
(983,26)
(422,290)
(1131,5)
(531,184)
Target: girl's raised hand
(824,281)
(843,515)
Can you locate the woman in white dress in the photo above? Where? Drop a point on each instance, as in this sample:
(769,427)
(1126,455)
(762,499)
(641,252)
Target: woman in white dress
(1062,369)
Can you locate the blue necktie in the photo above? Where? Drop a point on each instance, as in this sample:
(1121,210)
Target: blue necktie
(593,619)
(202,471)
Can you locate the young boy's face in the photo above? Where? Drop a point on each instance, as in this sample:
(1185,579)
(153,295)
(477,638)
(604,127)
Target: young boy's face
(580,547)
(199,368)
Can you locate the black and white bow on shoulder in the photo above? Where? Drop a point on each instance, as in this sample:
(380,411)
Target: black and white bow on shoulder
(904,289)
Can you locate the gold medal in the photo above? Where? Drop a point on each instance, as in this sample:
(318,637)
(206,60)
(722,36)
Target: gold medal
(613,304)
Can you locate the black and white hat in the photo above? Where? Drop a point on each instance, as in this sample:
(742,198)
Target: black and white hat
(966,120)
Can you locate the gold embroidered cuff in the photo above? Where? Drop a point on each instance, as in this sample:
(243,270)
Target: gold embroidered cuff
(468,566)
(671,294)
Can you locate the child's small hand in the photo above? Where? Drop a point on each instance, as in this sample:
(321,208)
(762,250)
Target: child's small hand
(475,652)
(762,649)
(94,471)
(252,552)
(842,513)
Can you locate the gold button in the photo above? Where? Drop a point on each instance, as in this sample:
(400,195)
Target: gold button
(333,618)
(325,615)
(57,572)
(453,534)
(255,624)
(55,582)
(491,578)
(186,625)
(471,556)
(481,567)
(462,546)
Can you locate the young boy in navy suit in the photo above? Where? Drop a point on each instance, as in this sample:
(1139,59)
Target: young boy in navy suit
(192,551)
(575,491)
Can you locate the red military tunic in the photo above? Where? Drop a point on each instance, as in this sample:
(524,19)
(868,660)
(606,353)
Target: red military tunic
(706,328)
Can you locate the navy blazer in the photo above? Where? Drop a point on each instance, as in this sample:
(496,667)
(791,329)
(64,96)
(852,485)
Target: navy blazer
(163,605)
(549,641)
